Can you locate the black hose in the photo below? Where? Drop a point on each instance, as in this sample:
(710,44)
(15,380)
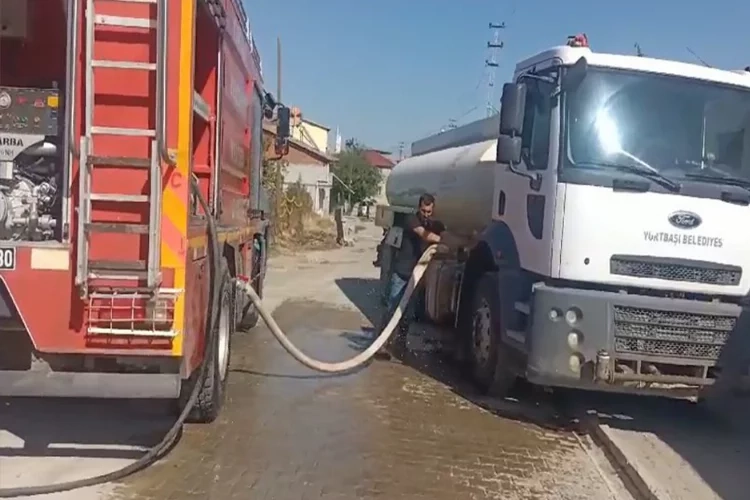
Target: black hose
(165,445)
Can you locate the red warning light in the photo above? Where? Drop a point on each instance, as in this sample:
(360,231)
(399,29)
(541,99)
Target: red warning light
(580,40)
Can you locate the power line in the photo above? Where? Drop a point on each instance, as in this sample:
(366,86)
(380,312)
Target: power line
(491,63)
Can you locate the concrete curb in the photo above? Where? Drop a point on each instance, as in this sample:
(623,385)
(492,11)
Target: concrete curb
(631,478)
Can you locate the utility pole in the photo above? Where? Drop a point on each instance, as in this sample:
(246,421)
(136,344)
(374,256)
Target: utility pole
(278,69)
(491,64)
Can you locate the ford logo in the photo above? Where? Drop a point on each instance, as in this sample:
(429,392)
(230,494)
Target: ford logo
(685,220)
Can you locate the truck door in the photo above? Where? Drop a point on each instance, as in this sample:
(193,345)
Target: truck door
(527,211)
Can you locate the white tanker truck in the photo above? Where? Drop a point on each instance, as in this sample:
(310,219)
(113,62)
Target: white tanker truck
(608,195)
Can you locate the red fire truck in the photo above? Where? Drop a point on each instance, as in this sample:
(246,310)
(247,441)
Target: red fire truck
(118,121)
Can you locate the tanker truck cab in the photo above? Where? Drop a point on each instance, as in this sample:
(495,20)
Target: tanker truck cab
(619,184)
(610,256)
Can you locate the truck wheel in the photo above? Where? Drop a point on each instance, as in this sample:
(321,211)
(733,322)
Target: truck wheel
(488,357)
(250,317)
(213,386)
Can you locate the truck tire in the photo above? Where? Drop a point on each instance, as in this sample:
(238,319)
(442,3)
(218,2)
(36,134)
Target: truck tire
(212,393)
(250,318)
(488,356)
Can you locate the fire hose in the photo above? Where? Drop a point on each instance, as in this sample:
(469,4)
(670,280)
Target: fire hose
(215,255)
(361,358)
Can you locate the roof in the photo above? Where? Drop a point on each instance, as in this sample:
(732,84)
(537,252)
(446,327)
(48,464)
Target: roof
(270,128)
(566,55)
(376,159)
(315,124)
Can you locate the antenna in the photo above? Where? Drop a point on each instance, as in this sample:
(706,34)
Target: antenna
(698,57)
(491,64)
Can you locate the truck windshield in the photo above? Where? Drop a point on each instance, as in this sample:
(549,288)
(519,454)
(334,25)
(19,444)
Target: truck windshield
(680,128)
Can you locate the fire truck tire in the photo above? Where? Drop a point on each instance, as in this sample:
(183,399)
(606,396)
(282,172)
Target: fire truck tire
(212,393)
(489,360)
(250,317)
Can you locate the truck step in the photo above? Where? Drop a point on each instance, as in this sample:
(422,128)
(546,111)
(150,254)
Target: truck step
(128,332)
(117,227)
(119,161)
(118,265)
(130,132)
(95,274)
(117,270)
(101,63)
(124,22)
(125,198)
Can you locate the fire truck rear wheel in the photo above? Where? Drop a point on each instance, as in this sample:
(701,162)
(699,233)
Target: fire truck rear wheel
(488,357)
(212,393)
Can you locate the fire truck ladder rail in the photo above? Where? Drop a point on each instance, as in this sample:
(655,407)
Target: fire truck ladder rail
(88,269)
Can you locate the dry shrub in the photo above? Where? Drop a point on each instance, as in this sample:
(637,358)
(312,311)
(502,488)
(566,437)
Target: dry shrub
(298,227)
(296,207)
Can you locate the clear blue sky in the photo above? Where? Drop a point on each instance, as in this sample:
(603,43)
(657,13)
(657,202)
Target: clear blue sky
(386,71)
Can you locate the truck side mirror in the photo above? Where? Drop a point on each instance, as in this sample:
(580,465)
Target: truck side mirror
(512,106)
(283,116)
(508,150)
(283,130)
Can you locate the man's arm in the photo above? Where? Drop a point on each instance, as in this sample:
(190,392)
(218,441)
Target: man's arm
(428,236)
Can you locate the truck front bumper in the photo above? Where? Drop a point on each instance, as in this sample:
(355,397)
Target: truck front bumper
(594,339)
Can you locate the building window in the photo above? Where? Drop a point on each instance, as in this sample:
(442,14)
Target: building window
(322,200)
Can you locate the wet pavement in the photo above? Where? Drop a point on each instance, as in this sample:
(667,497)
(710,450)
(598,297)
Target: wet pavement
(388,431)
(391,431)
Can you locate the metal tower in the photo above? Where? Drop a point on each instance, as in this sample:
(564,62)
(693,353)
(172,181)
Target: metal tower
(490,63)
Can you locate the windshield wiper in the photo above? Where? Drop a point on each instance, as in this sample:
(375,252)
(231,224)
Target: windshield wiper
(642,171)
(727,181)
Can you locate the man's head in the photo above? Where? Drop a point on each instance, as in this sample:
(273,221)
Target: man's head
(426,205)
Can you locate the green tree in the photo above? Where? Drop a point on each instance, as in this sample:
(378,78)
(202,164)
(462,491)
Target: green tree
(355,179)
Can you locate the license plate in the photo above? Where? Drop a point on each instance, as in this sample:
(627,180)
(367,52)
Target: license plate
(7,259)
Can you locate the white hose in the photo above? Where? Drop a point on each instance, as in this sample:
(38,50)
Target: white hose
(361,358)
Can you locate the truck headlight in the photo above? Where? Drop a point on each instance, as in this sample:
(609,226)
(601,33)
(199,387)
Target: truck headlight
(573,315)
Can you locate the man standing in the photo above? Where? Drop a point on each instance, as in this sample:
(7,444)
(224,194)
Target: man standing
(420,231)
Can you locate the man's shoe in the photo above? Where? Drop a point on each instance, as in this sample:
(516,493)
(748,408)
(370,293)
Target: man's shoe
(397,344)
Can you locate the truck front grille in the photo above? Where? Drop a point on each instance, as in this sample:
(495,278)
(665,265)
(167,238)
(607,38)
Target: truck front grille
(675,270)
(670,333)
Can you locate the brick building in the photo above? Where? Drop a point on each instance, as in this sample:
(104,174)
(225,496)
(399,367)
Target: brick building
(309,166)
